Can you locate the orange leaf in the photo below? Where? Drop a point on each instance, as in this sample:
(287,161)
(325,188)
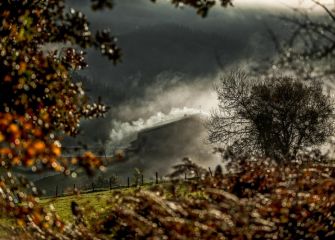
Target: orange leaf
(7,78)
(39,146)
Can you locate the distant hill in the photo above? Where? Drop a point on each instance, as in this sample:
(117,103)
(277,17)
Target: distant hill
(159,147)
(156,149)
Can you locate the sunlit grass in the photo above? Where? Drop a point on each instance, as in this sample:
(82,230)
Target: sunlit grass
(98,202)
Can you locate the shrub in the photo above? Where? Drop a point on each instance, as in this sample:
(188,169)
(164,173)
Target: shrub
(258,200)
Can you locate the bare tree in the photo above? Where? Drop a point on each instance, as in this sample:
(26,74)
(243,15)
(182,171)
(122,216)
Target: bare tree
(309,48)
(272,118)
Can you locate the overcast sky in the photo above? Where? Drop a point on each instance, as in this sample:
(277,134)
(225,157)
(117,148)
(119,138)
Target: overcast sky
(172,57)
(280,3)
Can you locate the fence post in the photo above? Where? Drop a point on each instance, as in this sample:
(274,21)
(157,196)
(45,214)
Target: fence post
(18,197)
(56,190)
(210,171)
(128,182)
(156,177)
(110,183)
(92,186)
(142,180)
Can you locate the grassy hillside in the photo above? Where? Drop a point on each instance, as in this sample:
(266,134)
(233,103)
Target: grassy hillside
(94,202)
(98,201)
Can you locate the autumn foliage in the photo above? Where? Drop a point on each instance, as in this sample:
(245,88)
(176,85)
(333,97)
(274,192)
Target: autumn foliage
(256,200)
(39,100)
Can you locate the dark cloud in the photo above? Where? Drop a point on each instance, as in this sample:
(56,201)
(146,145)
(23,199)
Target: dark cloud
(166,50)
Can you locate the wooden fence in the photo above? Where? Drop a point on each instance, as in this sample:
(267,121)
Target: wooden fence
(110,185)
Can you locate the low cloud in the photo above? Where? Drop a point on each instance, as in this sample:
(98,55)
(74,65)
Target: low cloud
(170,98)
(123,133)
